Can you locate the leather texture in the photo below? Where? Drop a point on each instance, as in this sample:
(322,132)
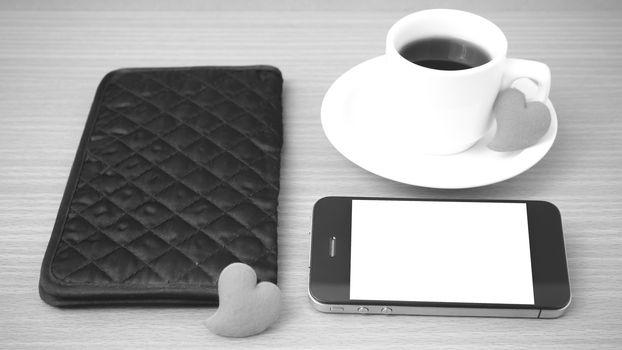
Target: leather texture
(175,178)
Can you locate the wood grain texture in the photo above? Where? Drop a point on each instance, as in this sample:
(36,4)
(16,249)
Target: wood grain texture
(308,5)
(51,63)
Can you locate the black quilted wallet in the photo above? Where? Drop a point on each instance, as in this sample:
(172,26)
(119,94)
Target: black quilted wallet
(176,176)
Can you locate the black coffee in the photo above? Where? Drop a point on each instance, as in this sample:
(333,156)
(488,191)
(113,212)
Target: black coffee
(445,53)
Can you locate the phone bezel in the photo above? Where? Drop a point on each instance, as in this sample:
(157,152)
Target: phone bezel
(329,277)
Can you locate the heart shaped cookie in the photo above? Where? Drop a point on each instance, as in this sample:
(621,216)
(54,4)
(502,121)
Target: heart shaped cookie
(520,124)
(245,307)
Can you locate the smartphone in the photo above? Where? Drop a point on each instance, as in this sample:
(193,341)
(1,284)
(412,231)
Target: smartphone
(438,257)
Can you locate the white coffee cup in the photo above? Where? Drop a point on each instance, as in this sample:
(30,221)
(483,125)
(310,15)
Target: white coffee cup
(442,111)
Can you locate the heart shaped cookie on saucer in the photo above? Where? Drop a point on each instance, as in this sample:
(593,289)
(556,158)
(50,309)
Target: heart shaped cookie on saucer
(520,124)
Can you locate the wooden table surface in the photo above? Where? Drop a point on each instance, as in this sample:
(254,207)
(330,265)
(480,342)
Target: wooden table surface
(51,63)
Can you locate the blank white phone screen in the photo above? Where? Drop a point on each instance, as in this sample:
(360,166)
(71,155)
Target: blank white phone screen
(463,252)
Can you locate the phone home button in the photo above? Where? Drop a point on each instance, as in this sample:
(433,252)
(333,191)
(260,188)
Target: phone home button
(363,310)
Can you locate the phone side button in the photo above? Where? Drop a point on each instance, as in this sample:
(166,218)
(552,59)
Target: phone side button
(386,310)
(363,310)
(336,309)
(309,249)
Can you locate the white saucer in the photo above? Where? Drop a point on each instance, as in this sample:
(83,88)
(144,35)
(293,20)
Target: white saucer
(354,101)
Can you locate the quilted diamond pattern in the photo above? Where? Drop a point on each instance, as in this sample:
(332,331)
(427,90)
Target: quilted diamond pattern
(177,176)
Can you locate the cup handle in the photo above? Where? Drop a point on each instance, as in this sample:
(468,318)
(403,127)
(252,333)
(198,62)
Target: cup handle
(537,72)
